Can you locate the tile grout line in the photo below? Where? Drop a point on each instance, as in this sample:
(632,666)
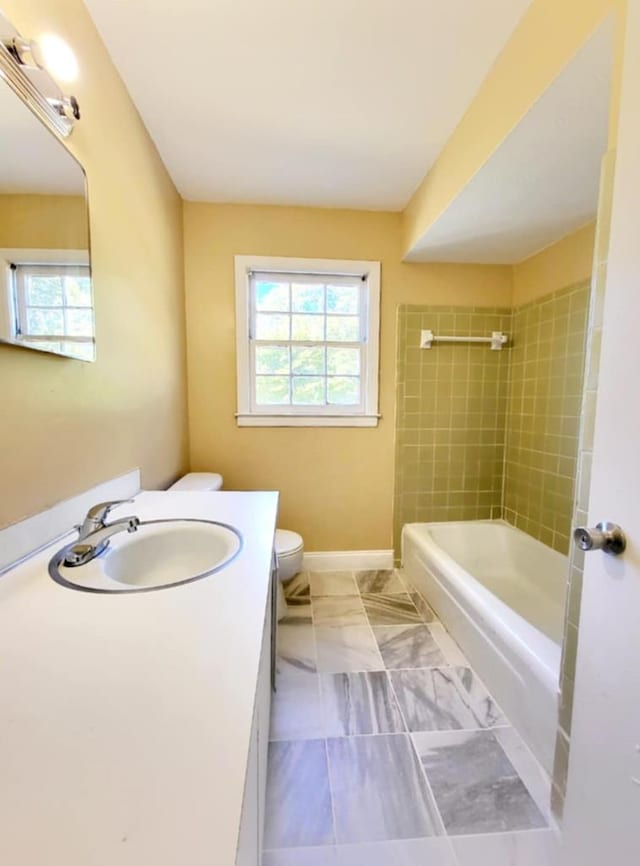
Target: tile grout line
(415,754)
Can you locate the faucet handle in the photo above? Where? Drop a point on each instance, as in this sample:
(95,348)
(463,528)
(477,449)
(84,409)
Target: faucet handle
(99,512)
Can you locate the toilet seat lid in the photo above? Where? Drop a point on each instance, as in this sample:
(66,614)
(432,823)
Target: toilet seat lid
(287,542)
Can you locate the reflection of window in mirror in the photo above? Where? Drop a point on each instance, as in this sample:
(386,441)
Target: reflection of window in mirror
(53,308)
(47,302)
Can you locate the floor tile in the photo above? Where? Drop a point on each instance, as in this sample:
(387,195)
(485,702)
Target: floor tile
(449,647)
(296,708)
(386,581)
(359,703)
(432,700)
(338,610)
(533,848)
(435,851)
(475,785)
(297,586)
(408,646)
(379,792)
(333,583)
(347,648)
(298,799)
(395,609)
(298,614)
(485,708)
(324,856)
(424,609)
(296,648)
(530,771)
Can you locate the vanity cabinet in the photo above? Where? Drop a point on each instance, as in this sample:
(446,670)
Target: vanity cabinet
(250,838)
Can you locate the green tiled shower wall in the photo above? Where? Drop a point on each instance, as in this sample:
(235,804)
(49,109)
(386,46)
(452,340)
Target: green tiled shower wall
(483,434)
(451,406)
(543,416)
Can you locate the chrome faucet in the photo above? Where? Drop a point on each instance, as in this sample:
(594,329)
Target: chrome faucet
(94,533)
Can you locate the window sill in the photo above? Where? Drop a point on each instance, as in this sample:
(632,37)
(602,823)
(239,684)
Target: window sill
(307,420)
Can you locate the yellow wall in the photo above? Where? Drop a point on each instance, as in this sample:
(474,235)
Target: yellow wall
(66,425)
(565,263)
(336,483)
(549,35)
(44,222)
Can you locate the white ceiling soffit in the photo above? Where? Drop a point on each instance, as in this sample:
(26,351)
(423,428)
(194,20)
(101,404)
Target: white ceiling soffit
(32,159)
(542,182)
(332,103)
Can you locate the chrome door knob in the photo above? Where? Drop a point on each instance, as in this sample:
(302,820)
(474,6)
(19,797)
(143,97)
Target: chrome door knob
(606,536)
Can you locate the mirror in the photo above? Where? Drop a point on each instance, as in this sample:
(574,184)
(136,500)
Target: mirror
(46,299)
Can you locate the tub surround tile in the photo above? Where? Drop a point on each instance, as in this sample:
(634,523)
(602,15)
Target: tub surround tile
(298,796)
(296,708)
(434,851)
(324,856)
(449,647)
(485,708)
(347,648)
(379,792)
(408,646)
(332,583)
(383,581)
(330,610)
(433,700)
(296,649)
(423,608)
(359,703)
(392,609)
(532,848)
(474,784)
(297,587)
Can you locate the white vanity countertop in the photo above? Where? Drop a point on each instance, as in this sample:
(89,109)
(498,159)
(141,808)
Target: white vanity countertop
(125,719)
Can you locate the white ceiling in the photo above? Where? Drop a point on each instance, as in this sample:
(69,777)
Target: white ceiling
(542,182)
(32,160)
(334,103)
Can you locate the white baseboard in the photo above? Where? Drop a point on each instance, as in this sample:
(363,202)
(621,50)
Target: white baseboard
(348,560)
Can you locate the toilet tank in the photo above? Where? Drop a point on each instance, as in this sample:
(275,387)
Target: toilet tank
(195,481)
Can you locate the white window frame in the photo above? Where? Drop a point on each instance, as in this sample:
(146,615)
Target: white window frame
(365,415)
(10,316)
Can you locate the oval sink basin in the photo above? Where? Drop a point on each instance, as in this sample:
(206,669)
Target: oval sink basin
(160,554)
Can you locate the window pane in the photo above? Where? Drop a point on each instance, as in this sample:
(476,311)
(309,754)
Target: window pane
(308,299)
(80,323)
(44,291)
(345,328)
(272,327)
(45,321)
(307,359)
(309,328)
(77,291)
(342,299)
(343,362)
(308,390)
(272,359)
(343,391)
(272,296)
(272,390)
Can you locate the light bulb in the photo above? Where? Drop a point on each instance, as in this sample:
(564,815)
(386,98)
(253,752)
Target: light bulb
(58,58)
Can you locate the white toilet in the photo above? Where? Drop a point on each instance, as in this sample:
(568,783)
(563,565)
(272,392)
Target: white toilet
(289,545)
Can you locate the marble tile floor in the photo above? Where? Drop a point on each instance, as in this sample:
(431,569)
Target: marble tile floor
(386,749)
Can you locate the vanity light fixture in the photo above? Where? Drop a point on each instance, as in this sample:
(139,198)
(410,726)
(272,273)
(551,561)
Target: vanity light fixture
(27,67)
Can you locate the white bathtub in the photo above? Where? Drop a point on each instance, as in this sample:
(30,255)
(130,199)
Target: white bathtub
(501,595)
